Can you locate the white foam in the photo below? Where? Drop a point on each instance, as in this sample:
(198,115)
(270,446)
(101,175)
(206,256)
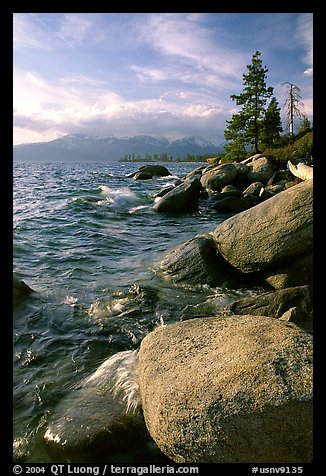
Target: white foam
(138,208)
(119,375)
(169,177)
(70,300)
(118,197)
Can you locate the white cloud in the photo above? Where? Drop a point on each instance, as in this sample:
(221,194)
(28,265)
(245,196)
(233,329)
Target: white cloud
(35,30)
(304,36)
(77,28)
(49,109)
(309,72)
(29,33)
(188,50)
(149,73)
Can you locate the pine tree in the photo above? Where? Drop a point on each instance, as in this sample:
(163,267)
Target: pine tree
(235,150)
(246,125)
(271,125)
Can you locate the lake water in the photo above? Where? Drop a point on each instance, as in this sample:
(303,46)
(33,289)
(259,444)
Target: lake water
(84,233)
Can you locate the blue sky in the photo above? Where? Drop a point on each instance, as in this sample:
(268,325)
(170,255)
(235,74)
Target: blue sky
(161,74)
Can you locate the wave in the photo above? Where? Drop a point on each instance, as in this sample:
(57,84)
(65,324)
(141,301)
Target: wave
(119,197)
(118,374)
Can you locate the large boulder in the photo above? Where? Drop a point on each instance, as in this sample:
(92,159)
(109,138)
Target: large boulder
(154,170)
(183,198)
(234,204)
(270,234)
(261,170)
(229,390)
(215,178)
(298,272)
(195,261)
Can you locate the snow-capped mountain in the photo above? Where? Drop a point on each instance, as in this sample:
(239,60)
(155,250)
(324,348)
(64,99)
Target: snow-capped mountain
(78,147)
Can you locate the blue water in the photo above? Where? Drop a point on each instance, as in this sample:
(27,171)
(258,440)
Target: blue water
(83,234)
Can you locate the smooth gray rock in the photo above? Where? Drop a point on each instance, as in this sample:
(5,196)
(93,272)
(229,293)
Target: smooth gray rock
(217,177)
(182,199)
(195,261)
(254,188)
(270,234)
(261,170)
(234,204)
(297,272)
(276,303)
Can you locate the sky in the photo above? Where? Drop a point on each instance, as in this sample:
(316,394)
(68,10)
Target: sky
(159,74)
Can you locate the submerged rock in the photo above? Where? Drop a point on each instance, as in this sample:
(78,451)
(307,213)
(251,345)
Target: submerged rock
(20,290)
(229,390)
(149,171)
(142,176)
(102,415)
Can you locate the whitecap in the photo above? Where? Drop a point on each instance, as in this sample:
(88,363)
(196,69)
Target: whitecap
(118,374)
(139,207)
(70,300)
(119,197)
(169,177)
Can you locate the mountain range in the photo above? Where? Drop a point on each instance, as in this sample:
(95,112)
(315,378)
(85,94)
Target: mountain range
(77,147)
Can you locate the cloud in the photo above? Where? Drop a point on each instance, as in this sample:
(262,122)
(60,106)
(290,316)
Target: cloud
(80,104)
(170,74)
(189,52)
(304,36)
(309,72)
(38,31)
(29,33)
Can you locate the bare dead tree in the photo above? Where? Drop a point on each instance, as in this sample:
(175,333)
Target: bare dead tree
(292,104)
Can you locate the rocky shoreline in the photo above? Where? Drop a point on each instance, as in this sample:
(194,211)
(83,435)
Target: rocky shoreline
(227,388)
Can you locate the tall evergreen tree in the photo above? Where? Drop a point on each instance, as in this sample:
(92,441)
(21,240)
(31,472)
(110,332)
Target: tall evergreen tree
(271,125)
(235,150)
(247,123)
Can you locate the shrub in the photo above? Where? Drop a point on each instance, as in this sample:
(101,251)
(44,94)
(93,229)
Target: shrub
(301,149)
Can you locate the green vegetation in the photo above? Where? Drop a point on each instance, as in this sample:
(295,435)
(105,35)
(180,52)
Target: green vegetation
(254,123)
(258,123)
(164,158)
(301,148)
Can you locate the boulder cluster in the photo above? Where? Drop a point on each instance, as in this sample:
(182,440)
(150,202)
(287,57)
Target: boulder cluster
(228,187)
(235,387)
